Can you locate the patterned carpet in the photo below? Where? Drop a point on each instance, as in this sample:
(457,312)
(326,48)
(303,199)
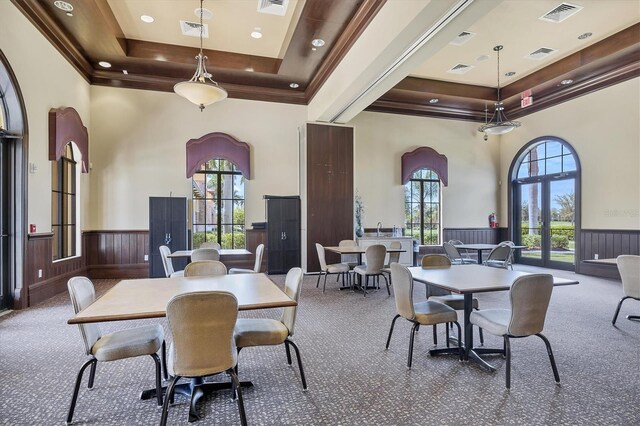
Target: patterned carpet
(352,379)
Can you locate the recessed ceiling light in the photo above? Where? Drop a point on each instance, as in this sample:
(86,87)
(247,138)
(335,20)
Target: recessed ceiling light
(63,5)
(125,72)
(146,18)
(509,74)
(434,100)
(104,64)
(206,13)
(294,85)
(584,36)
(317,42)
(482,58)
(567,81)
(256,33)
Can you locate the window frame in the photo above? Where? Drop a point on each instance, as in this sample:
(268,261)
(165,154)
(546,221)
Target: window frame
(409,187)
(65,175)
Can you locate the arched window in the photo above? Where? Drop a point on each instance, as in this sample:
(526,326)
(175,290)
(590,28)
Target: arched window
(64,206)
(423,204)
(218,204)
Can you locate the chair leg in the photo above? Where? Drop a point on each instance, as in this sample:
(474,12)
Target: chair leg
(288,354)
(156,360)
(551,359)
(435,334)
(295,348)
(480,334)
(615,316)
(324,286)
(76,389)
(318,282)
(393,323)
(236,383)
(168,397)
(92,375)
(387,283)
(238,361)
(507,346)
(415,328)
(460,349)
(165,374)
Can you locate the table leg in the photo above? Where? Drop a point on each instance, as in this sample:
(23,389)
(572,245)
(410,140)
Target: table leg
(468,328)
(479,257)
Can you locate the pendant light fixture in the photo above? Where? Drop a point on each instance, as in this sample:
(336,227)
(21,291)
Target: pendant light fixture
(201,89)
(499,123)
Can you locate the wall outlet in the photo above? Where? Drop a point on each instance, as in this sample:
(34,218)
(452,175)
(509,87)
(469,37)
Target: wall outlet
(146,257)
(595,256)
(39,273)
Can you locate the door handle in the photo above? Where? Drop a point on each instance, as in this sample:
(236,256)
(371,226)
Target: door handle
(167,239)
(284,236)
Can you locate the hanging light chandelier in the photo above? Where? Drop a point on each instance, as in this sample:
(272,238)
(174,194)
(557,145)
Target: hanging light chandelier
(201,89)
(499,123)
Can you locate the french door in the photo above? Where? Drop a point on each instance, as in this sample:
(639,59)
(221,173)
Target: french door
(545,220)
(5,253)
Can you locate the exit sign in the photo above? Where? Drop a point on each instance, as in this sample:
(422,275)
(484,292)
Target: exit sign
(525,102)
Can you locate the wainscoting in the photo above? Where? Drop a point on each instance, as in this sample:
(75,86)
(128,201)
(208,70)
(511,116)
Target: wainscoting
(116,254)
(606,243)
(466,235)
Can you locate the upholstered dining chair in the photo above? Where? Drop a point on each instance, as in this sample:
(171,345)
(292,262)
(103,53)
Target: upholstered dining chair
(211,244)
(374,256)
(167,264)
(436,294)
(336,268)
(500,257)
(422,313)
(529,299)
(629,267)
(393,258)
(349,259)
(205,254)
(256,266)
(270,332)
(133,342)
(205,268)
(454,255)
(202,325)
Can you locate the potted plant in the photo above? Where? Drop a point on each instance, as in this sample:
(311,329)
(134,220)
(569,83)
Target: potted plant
(359,215)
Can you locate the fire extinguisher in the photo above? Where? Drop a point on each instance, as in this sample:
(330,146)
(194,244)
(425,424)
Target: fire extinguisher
(492,220)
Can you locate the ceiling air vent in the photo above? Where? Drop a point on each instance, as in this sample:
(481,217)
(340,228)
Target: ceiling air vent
(462,38)
(273,7)
(541,53)
(460,69)
(561,12)
(192,29)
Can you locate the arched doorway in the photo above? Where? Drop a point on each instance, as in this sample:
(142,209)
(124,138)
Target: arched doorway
(13,145)
(545,203)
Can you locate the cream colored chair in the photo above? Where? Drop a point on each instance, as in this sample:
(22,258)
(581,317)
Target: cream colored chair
(210,245)
(374,256)
(201,325)
(167,264)
(463,252)
(455,256)
(500,257)
(629,267)
(529,299)
(205,254)
(423,313)
(336,268)
(133,342)
(205,268)
(393,258)
(256,265)
(349,259)
(270,332)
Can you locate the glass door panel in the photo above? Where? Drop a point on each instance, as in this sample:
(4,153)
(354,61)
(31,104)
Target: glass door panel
(561,228)
(531,221)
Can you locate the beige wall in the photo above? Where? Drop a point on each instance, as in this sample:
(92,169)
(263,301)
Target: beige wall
(604,129)
(381,139)
(138,143)
(47,81)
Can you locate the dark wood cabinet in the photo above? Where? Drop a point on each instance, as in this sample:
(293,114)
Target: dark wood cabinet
(283,233)
(167,226)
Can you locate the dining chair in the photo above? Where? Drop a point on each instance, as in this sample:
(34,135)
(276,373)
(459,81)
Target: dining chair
(422,313)
(256,266)
(463,252)
(168,264)
(205,268)
(205,254)
(454,255)
(336,268)
(211,244)
(270,332)
(436,294)
(500,256)
(629,267)
(529,300)
(393,258)
(349,259)
(122,344)
(201,325)
(512,245)
(374,256)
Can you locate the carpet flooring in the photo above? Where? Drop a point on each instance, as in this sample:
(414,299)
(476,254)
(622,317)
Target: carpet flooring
(352,379)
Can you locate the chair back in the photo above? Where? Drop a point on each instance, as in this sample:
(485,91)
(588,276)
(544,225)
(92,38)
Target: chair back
(205,268)
(292,287)
(166,261)
(435,261)
(394,257)
(321,259)
(348,258)
(375,255)
(452,252)
(83,294)
(455,242)
(201,324)
(403,290)
(258,263)
(529,296)
(211,244)
(205,254)
(502,253)
(629,267)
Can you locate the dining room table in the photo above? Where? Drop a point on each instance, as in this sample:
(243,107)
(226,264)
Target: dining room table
(468,280)
(223,253)
(136,299)
(357,250)
(481,248)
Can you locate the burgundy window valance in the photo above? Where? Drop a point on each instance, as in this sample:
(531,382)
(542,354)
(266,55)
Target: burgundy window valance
(218,145)
(421,158)
(65,125)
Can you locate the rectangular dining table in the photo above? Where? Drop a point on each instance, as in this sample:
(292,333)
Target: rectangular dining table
(482,247)
(357,250)
(147,298)
(467,280)
(223,253)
